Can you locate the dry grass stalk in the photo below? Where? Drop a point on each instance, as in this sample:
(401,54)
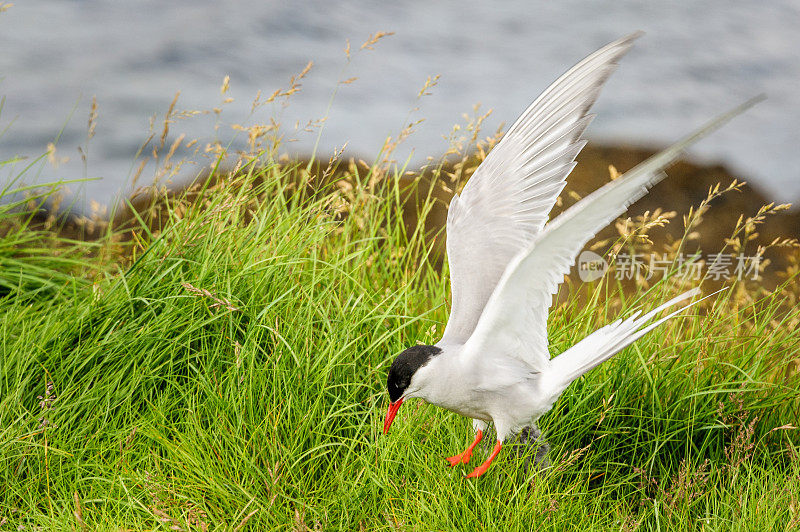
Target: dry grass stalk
(245,520)
(218,302)
(79,512)
(92,118)
(371,41)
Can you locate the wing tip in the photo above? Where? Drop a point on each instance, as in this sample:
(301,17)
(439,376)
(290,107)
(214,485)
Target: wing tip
(758,98)
(625,42)
(635,35)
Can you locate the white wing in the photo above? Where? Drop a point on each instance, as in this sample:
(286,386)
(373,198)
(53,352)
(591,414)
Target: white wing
(518,307)
(506,202)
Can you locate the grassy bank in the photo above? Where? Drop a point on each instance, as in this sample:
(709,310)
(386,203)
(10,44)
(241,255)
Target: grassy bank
(227,372)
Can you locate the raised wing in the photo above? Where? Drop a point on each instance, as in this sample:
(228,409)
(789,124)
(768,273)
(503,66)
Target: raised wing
(507,201)
(517,310)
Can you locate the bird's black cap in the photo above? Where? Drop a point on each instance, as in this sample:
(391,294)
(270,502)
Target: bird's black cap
(405,365)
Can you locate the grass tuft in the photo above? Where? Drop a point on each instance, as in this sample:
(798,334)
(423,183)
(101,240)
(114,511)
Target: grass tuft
(218,360)
(228,371)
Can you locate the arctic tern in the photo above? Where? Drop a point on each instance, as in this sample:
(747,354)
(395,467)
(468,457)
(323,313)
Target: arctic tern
(493,363)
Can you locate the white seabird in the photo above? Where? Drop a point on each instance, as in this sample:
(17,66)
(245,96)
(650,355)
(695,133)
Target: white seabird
(506,263)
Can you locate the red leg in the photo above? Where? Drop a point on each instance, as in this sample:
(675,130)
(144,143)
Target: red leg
(466,455)
(481,469)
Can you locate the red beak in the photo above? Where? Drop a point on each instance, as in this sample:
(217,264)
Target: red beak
(393,408)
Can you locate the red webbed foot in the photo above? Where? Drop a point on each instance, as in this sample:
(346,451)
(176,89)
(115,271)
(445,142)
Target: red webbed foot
(481,469)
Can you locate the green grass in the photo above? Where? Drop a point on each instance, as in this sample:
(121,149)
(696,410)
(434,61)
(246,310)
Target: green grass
(259,403)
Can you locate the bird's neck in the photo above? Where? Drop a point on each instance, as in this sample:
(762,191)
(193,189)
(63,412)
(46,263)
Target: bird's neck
(447,379)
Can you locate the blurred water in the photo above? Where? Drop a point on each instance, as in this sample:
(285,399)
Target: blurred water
(697,59)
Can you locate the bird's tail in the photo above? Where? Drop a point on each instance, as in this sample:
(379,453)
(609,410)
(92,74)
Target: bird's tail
(608,341)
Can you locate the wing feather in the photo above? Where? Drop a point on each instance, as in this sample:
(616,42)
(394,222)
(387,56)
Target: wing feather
(516,315)
(507,201)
